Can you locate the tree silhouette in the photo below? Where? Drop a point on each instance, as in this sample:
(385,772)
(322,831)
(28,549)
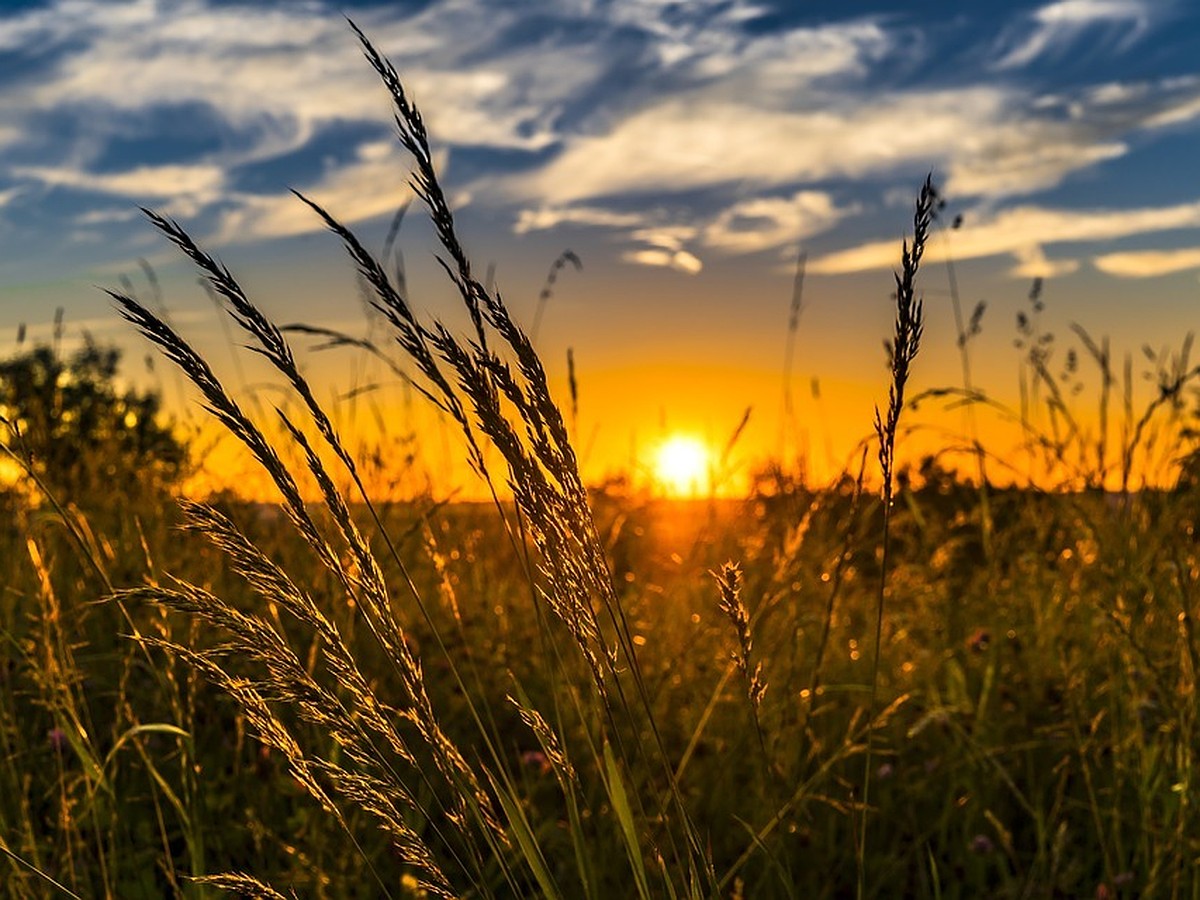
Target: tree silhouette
(86,438)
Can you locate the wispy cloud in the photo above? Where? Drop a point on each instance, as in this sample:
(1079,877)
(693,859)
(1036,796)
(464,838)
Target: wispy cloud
(745,226)
(993,141)
(680,260)
(364,189)
(105,216)
(548,217)
(142,182)
(727,136)
(1052,29)
(1032,263)
(668,247)
(282,73)
(1148,263)
(768,222)
(1023,232)
(703,140)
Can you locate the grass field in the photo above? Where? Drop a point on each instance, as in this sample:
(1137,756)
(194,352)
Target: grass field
(897,684)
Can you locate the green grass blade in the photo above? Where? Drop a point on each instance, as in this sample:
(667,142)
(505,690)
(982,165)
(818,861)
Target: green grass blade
(526,840)
(624,813)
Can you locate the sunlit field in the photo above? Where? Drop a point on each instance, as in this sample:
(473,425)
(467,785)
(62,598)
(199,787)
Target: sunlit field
(959,666)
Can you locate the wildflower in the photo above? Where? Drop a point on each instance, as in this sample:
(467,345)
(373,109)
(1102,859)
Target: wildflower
(536,759)
(886,770)
(57,739)
(982,844)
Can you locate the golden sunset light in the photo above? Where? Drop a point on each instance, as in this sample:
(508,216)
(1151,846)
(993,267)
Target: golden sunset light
(682,466)
(599,449)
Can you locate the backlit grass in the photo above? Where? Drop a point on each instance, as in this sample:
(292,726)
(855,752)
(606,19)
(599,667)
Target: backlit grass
(815,691)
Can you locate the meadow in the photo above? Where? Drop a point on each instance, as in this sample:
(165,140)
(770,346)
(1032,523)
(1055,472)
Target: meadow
(906,682)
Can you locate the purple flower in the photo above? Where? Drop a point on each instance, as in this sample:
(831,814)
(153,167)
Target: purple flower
(982,844)
(535,759)
(57,738)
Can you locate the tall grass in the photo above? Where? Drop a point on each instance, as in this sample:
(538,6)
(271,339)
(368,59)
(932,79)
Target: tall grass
(905,343)
(505,402)
(546,696)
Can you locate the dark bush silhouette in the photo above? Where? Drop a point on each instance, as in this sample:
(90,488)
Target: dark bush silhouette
(86,438)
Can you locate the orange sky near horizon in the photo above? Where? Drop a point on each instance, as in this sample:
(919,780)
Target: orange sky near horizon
(627,413)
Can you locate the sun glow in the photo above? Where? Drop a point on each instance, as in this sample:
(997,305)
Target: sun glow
(681,466)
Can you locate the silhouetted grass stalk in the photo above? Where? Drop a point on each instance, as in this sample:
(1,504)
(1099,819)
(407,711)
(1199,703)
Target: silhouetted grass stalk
(904,346)
(547,291)
(543,469)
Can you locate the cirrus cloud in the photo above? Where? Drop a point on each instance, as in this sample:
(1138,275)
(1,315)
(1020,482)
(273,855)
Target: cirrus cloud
(1053,28)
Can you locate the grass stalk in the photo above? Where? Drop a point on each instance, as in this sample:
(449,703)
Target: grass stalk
(905,343)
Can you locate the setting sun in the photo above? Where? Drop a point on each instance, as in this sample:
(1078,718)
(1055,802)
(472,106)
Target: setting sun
(681,466)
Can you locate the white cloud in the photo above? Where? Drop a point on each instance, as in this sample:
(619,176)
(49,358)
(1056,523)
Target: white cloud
(778,64)
(990,140)
(706,39)
(1022,160)
(1032,263)
(668,248)
(1021,231)
(668,237)
(274,78)
(745,226)
(696,141)
(546,218)
(1054,27)
(767,222)
(667,242)
(204,181)
(1187,110)
(262,88)
(680,260)
(371,186)
(1086,12)
(105,216)
(1148,263)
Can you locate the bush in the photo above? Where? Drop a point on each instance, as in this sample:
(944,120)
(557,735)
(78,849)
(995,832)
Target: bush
(82,435)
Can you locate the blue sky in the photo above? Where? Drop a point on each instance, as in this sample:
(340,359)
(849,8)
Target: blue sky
(684,150)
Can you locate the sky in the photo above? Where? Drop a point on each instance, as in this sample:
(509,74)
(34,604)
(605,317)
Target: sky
(687,153)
